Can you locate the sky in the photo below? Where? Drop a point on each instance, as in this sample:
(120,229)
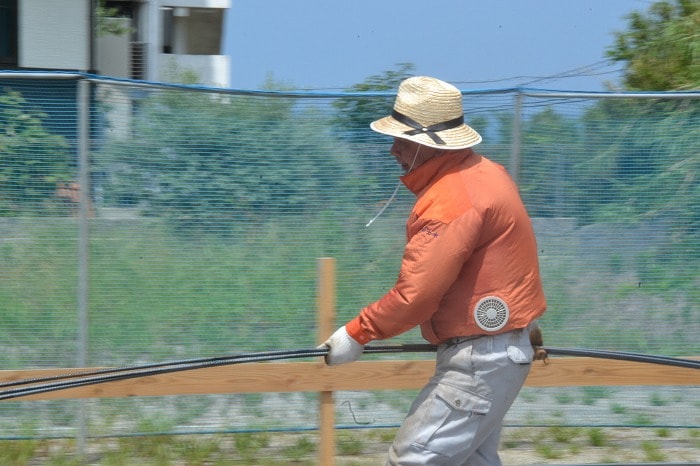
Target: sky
(486,44)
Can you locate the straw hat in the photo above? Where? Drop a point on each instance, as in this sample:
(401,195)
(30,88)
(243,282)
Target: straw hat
(428,111)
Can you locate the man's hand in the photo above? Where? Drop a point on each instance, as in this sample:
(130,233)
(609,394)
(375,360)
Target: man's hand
(342,348)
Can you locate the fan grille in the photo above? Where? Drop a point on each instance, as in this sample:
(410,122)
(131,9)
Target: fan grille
(491,313)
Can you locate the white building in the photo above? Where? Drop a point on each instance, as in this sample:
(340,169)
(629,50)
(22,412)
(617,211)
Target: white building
(161,38)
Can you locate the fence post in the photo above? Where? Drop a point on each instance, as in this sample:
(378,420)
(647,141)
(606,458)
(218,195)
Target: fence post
(325,302)
(83,243)
(515,144)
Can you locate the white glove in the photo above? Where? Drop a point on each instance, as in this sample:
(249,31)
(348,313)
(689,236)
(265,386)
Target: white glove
(343,348)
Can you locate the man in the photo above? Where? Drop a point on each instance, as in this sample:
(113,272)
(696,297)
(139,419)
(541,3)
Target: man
(469,278)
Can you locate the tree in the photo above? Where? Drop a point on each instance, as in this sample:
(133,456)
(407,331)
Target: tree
(353,115)
(209,162)
(108,21)
(652,167)
(32,160)
(551,147)
(661,49)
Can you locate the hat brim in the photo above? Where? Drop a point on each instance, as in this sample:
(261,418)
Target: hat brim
(461,137)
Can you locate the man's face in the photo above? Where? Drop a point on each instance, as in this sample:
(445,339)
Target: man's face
(405,152)
(411,155)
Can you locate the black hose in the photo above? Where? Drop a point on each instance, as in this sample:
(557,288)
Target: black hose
(625,356)
(110,370)
(112,375)
(79,379)
(221,360)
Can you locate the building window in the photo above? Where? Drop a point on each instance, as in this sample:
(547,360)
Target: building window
(168,20)
(8,33)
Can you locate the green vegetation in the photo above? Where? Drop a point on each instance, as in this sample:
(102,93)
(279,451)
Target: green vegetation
(303,447)
(618,408)
(349,444)
(33,161)
(641,420)
(695,437)
(563,434)
(564,398)
(656,399)
(208,165)
(18,452)
(106,20)
(652,451)
(596,437)
(204,294)
(249,445)
(659,49)
(548,451)
(593,393)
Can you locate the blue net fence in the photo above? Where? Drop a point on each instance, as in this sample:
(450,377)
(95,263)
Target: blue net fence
(207,210)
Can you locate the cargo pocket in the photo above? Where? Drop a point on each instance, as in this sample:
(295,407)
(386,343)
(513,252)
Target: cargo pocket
(451,418)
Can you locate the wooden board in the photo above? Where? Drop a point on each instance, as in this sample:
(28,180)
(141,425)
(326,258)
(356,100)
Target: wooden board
(362,375)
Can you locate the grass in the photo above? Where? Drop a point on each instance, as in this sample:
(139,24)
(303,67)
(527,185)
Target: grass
(563,434)
(596,437)
(641,419)
(694,435)
(618,408)
(548,451)
(248,445)
(361,447)
(154,293)
(597,445)
(652,451)
(593,394)
(657,400)
(349,444)
(18,452)
(151,292)
(564,398)
(303,447)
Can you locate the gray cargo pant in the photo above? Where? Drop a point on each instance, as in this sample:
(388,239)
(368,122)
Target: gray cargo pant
(456,419)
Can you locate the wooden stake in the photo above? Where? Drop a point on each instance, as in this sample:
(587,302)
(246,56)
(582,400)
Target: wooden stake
(325,302)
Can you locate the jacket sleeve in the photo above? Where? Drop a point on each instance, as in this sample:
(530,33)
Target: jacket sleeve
(432,260)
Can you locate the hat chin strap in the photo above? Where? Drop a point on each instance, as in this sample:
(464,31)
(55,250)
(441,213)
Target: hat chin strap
(396,190)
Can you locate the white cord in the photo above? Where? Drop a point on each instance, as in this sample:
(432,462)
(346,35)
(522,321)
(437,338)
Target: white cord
(381,211)
(396,190)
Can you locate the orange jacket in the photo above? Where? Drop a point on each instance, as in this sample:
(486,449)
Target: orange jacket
(468,237)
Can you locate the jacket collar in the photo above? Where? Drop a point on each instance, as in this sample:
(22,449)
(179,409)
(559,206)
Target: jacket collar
(431,170)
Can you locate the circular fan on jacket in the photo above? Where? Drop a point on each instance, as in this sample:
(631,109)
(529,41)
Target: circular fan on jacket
(491,313)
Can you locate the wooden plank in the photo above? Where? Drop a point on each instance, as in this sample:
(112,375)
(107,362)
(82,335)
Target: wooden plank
(564,372)
(362,375)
